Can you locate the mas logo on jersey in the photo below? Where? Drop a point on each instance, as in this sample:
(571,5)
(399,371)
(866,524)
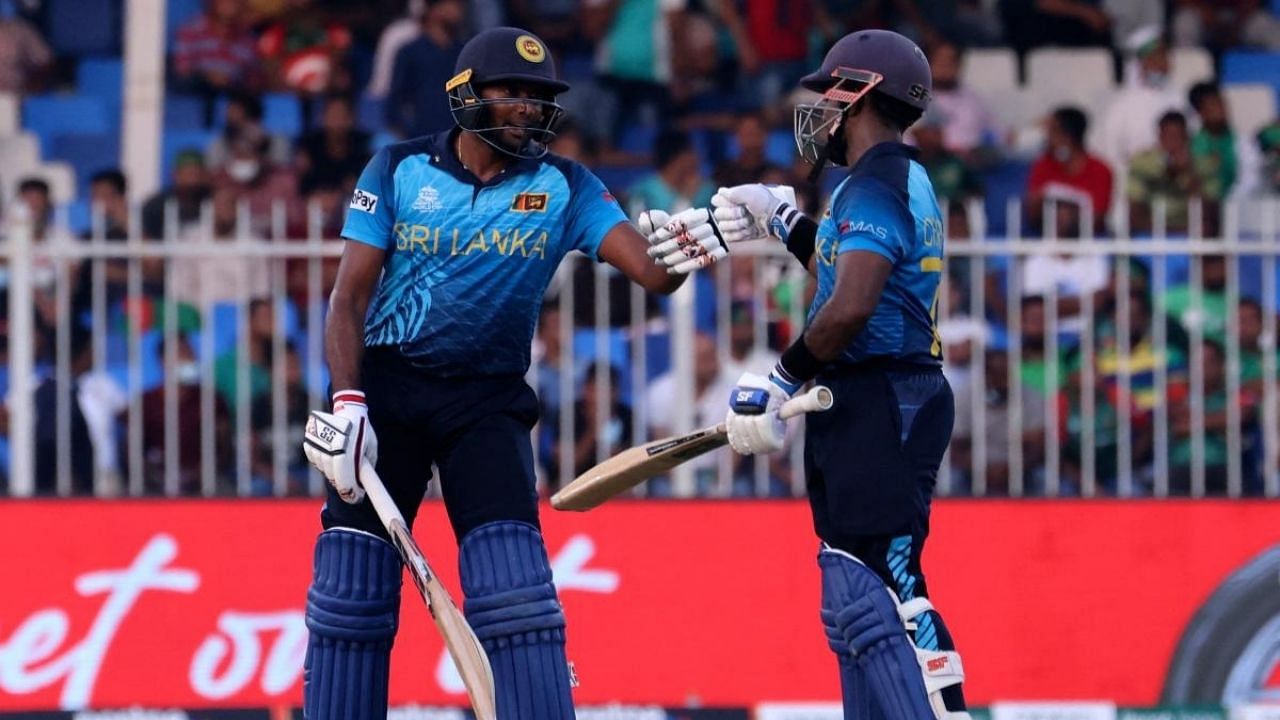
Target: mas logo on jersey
(364,201)
(530,49)
(428,200)
(530,202)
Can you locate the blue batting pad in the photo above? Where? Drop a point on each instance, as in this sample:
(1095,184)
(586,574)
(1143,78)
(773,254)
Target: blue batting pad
(862,614)
(353,608)
(858,703)
(511,604)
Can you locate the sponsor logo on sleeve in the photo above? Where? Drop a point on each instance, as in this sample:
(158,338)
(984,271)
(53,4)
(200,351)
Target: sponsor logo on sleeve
(364,201)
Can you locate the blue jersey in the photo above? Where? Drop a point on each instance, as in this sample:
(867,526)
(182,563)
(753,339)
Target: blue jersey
(468,262)
(886,206)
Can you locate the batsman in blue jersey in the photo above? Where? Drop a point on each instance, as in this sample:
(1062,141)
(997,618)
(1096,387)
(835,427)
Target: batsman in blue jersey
(452,240)
(871,336)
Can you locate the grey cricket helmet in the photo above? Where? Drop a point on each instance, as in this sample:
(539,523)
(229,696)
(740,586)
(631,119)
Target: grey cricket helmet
(880,61)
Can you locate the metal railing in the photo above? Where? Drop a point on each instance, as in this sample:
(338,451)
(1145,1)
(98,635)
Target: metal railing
(1127,409)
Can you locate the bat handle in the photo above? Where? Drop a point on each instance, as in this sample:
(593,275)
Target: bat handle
(816,400)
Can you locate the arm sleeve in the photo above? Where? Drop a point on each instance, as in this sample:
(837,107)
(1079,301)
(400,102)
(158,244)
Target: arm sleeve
(592,211)
(871,217)
(371,213)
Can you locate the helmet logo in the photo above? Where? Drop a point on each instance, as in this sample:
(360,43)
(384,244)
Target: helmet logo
(457,80)
(530,49)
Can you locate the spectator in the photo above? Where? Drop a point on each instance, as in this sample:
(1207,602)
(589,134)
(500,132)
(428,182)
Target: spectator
(1070,276)
(1068,170)
(1129,125)
(677,184)
(223,276)
(258,347)
(968,128)
(110,223)
(1170,174)
(305,54)
(1254,341)
(188,427)
(1209,316)
(34,192)
(954,181)
(25,58)
(1106,437)
(254,179)
(402,31)
(336,153)
(1215,457)
(997,419)
(590,428)
(417,103)
(702,96)
(1226,25)
(215,54)
(244,120)
(1141,359)
(48,453)
(1129,16)
(187,195)
(960,333)
(1070,23)
(751,136)
(1214,146)
(771,39)
(1035,349)
(297,408)
(1269,144)
(711,385)
(635,42)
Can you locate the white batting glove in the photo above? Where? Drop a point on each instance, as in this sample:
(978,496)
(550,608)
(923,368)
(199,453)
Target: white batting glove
(337,442)
(683,242)
(753,422)
(755,212)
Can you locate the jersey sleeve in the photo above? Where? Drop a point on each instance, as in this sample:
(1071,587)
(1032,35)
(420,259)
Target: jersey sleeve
(371,214)
(869,216)
(592,212)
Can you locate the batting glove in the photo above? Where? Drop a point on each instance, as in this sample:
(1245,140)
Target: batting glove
(753,423)
(755,212)
(683,242)
(336,443)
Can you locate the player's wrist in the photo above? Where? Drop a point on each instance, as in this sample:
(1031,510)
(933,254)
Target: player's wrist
(783,220)
(798,365)
(351,400)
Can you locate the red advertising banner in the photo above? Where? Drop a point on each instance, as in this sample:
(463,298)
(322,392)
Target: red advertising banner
(200,603)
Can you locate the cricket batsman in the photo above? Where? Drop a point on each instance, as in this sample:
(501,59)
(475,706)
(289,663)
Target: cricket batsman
(452,239)
(871,336)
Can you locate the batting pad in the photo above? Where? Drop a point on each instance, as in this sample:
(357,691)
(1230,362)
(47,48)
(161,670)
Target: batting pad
(865,617)
(856,696)
(511,604)
(353,607)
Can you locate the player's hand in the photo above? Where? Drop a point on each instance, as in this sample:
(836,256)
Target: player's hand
(753,422)
(336,443)
(683,242)
(755,212)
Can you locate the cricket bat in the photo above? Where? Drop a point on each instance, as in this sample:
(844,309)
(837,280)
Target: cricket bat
(632,467)
(463,645)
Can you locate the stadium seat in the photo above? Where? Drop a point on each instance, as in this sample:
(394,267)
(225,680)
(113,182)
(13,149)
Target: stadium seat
(85,27)
(62,181)
(88,154)
(1005,181)
(183,112)
(102,78)
(51,115)
(1251,67)
(20,151)
(179,13)
(1190,65)
(1057,76)
(1252,106)
(10,117)
(990,70)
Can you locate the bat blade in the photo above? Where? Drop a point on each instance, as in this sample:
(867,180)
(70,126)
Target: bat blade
(632,467)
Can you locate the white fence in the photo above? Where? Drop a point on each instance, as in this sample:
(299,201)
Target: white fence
(1146,380)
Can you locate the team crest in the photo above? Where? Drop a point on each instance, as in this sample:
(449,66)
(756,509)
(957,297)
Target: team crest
(530,49)
(428,200)
(530,202)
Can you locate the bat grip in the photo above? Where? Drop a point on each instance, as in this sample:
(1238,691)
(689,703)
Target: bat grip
(816,400)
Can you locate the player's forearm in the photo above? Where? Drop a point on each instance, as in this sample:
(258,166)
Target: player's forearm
(832,330)
(344,341)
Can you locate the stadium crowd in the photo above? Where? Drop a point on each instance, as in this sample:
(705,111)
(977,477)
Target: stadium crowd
(281,102)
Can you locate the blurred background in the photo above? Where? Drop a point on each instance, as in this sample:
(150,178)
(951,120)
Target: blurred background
(173,180)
